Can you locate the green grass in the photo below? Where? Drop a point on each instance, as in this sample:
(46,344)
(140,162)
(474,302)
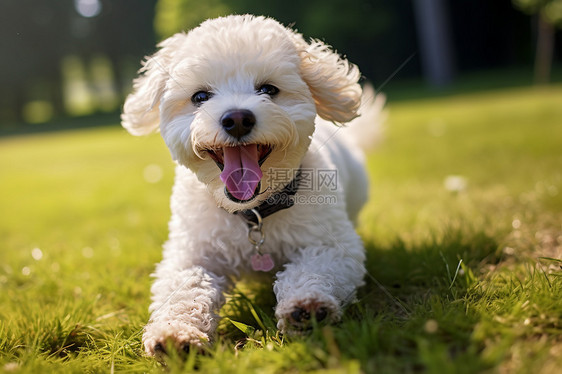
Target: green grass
(459,281)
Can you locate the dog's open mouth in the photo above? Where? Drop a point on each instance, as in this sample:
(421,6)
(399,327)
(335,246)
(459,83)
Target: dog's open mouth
(240,169)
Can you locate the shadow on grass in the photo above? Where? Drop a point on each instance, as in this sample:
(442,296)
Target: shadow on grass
(411,315)
(441,266)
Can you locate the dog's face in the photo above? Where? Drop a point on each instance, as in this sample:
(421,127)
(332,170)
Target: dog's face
(247,111)
(235,100)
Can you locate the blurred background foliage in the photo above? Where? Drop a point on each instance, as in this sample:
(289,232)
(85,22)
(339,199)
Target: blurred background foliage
(69,58)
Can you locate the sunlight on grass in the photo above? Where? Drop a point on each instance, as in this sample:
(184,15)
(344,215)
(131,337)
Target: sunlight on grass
(502,146)
(463,233)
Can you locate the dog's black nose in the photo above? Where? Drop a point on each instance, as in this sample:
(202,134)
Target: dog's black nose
(238,122)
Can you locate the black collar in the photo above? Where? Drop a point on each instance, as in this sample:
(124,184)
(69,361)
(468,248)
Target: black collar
(281,200)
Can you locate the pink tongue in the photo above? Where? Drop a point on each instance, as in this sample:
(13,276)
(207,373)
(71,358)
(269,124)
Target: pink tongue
(241,173)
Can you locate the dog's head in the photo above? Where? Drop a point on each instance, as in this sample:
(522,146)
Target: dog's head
(235,100)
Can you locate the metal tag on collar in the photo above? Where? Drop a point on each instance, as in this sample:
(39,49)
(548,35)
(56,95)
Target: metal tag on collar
(259,261)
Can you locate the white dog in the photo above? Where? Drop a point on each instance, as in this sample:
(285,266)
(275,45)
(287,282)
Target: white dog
(236,101)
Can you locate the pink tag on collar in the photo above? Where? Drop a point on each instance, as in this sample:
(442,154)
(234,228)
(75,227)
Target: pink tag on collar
(262,262)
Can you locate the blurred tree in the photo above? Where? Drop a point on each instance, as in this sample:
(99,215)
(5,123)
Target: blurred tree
(173,16)
(549,14)
(109,38)
(121,32)
(436,48)
(36,36)
(378,35)
(33,40)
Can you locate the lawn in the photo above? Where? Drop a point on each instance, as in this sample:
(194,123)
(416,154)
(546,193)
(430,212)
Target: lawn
(463,233)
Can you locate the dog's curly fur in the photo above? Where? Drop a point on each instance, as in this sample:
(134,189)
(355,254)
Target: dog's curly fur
(319,257)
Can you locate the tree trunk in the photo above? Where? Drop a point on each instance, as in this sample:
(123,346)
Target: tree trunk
(545,49)
(436,47)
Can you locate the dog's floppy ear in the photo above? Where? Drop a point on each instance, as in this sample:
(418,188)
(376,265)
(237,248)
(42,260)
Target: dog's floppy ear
(141,110)
(332,80)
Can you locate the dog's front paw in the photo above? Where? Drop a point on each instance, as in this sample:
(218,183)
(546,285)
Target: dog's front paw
(300,315)
(158,337)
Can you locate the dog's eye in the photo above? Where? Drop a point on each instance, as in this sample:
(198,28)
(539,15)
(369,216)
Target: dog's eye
(201,96)
(268,89)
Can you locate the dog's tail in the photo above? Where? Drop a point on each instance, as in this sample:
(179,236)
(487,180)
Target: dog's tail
(367,129)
